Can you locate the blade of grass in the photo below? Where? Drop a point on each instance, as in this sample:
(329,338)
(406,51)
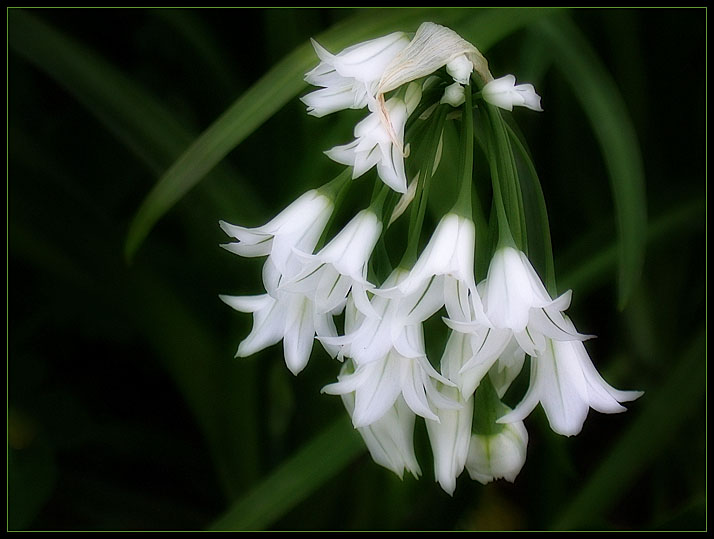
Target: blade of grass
(611,123)
(594,269)
(293,481)
(282,83)
(138,120)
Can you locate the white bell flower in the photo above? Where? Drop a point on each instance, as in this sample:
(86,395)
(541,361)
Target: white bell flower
(390,440)
(288,317)
(504,93)
(349,78)
(380,142)
(448,258)
(340,267)
(449,438)
(297,227)
(498,455)
(393,323)
(565,382)
(514,298)
(378,384)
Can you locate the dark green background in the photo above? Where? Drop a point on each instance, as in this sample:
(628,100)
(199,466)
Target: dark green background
(127,410)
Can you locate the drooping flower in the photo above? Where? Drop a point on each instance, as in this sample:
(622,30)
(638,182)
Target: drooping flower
(393,323)
(378,384)
(390,439)
(387,347)
(380,143)
(450,437)
(504,93)
(289,317)
(349,79)
(340,267)
(450,252)
(297,227)
(565,382)
(514,298)
(498,455)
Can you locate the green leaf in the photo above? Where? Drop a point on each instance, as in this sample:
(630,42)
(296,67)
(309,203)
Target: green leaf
(587,275)
(610,120)
(293,481)
(139,121)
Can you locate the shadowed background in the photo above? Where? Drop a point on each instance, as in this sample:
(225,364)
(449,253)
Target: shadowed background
(127,410)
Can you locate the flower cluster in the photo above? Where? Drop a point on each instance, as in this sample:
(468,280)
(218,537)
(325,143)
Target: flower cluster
(333,286)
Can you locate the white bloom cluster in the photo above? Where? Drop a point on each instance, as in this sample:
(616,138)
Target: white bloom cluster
(387,378)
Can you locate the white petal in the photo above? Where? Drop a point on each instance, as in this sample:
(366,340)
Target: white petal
(247,304)
(299,334)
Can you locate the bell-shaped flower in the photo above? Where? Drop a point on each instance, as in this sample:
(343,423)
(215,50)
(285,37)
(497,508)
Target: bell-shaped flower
(377,385)
(498,455)
(504,93)
(390,440)
(328,276)
(393,322)
(565,382)
(379,141)
(297,227)
(514,298)
(450,438)
(287,316)
(449,253)
(349,79)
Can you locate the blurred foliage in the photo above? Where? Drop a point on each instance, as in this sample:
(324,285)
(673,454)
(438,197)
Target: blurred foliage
(127,410)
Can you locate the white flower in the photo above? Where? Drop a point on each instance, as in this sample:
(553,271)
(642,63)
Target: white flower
(514,298)
(297,227)
(289,317)
(450,438)
(328,276)
(390,440)
(449,255)
(460,69)
(349,78)
(499,455)
(453,95)
(380,141)
(378,384)
(393,323)
(387,348)
(504,93)
(566,383)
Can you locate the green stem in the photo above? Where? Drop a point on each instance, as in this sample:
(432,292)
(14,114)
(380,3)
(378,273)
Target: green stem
(336,190)
(505,237)
(462,206)
(421,198)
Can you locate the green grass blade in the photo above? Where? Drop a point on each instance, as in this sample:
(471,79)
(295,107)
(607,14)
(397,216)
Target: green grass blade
(655,428)
(608,115)
(596,268)
(138,120)
(293,481)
